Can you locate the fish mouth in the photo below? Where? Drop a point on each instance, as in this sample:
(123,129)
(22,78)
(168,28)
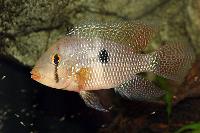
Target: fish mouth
(35,75)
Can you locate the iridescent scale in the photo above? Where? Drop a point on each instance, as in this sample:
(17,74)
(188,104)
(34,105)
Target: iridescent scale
(122,41)
(121,65)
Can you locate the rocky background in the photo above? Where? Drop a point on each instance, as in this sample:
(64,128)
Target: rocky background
(29,27)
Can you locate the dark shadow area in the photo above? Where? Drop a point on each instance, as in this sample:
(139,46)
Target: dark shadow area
(26,105)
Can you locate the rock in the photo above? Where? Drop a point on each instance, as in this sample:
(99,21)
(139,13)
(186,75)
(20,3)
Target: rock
(193,23)
(27,28)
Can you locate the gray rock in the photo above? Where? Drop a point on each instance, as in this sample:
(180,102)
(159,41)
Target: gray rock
(28,28)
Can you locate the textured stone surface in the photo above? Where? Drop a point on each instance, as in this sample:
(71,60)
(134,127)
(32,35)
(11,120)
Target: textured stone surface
(27,28)
(193,23)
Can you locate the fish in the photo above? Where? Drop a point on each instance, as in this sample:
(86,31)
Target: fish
(96,55)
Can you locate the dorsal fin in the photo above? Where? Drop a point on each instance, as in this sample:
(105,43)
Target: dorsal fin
(133,33)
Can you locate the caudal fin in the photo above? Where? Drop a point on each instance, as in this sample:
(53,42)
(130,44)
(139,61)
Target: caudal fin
(173,60)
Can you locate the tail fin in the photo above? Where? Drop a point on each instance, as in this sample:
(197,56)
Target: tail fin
(173,60)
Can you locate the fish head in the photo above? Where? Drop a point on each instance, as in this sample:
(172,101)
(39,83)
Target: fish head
(52,70)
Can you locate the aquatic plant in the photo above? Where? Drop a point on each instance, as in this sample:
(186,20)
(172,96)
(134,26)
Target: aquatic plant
(192,128)
(168,96)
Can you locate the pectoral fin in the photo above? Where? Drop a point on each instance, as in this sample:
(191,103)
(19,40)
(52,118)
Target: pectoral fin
(91,100)
(140,89)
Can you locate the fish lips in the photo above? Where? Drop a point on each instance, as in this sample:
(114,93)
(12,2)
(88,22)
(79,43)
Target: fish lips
(35,74)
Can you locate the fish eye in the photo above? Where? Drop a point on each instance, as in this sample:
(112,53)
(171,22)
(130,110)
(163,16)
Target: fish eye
(56,59)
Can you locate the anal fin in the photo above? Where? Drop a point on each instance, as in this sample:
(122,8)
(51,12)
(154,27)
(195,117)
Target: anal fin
(91,100)
(140,89)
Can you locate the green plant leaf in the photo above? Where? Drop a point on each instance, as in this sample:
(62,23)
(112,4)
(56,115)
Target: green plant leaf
(168,96)
(194,128)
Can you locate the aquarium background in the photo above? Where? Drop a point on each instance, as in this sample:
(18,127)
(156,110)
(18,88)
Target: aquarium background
(28,28)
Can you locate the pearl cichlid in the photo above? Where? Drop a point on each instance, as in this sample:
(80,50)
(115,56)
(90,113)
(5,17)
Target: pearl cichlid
(95,56)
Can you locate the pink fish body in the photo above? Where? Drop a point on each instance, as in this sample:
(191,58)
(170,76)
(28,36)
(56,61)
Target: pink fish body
(95,56)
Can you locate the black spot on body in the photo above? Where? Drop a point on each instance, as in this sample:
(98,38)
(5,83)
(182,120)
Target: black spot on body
(103,56)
